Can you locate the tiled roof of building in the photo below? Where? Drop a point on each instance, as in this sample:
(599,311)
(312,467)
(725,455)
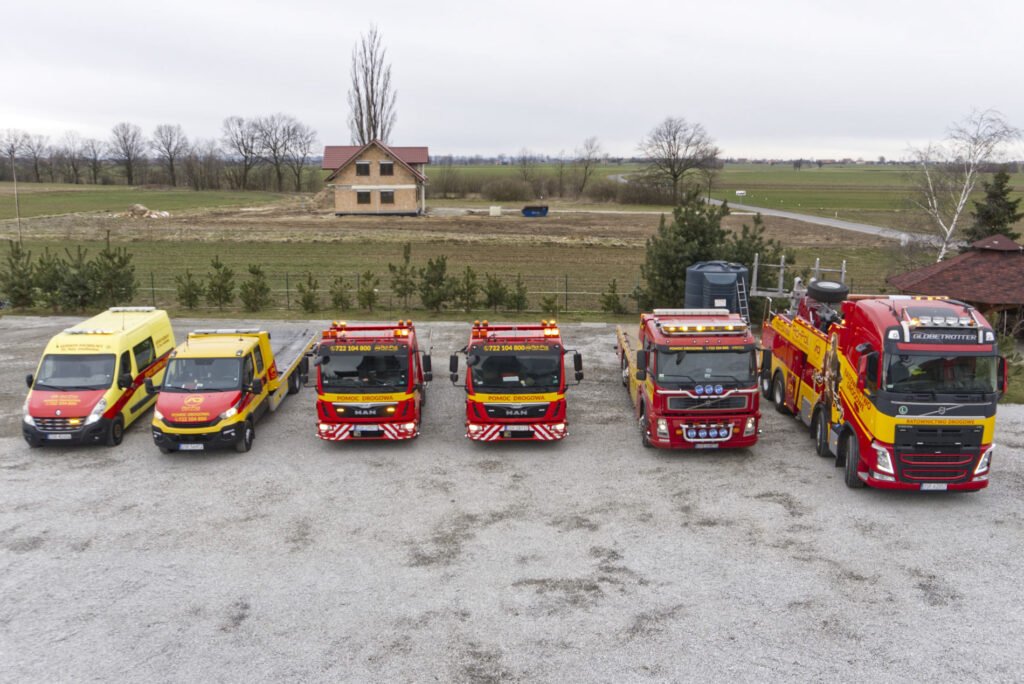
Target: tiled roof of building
(336,156)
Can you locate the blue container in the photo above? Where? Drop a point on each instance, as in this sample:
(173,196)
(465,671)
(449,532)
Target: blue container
(535,210)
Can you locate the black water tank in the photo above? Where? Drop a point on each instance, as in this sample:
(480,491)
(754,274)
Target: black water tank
(712,285)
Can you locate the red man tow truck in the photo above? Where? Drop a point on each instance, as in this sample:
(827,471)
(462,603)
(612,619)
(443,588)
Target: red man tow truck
(515,382)
(692,377)
(370,381)
(901,390)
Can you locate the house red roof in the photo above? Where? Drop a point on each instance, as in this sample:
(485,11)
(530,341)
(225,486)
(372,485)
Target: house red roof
(990,273)
(336,156)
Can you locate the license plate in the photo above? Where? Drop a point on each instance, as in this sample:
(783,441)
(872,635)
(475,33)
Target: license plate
(707,445)
(933,486)
(190,447)
(518,428)
(58,436)
(368,432)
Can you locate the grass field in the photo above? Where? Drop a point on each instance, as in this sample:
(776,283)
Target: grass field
(54,199)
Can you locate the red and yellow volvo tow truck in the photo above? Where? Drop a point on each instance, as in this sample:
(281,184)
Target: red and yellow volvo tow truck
(901,390)
(370,381)
(692,377)
(515,382)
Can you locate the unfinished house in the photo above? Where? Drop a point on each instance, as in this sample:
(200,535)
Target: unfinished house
(377,179)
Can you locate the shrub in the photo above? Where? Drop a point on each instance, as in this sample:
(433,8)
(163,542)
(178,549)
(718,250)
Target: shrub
(190,290)
(367,292)
(466,290)
(508,190)
(76,285)
(255,292)
(340,299)
(610,300)
(309,294)
(517,298)
(496,292)
(113,276)
(16,279)
(435,284)
(49,273)
(220,285)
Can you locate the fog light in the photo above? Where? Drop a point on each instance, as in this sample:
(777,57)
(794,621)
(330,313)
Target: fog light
(750,427)
(409,427)
(691,433)
(558,427)
(719,389)
(883,459)
(663,428)
(884,478)
(986,460)
(699,389)
(324,427)
(702,433)
(474,429)
(708,389)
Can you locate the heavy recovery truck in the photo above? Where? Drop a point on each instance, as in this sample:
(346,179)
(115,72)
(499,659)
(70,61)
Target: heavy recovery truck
(692,379)
(370,382)
(900,390)
(219,383)
(515,382)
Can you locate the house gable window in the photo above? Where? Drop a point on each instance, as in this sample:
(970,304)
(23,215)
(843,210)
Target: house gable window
(387,197)
(387,168)
(362,198)
(362,168)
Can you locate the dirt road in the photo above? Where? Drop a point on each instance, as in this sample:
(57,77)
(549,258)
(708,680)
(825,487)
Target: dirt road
(439,560)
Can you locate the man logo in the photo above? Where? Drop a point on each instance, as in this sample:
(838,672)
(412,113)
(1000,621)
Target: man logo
(192,401)
(903,410)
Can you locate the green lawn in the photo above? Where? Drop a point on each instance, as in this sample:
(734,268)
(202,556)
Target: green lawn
(52,199)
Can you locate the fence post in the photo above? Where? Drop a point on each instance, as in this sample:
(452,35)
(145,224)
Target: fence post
(636,291)
(152,288)
(287,292)
(566,292)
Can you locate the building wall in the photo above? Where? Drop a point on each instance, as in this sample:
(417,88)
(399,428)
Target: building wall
(346,184)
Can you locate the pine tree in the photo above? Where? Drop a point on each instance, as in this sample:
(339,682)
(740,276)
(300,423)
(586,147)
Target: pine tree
(366,295)
(190,290)
(435,284)
(997,213)
(16,279)
(466,290)
(610,300)
(403,276)
(340,298)
(495,292)
(549,304)
(49,274)
(76,285)
(220,285)
(517,296)
(255,292)
(309,294)
(113,276)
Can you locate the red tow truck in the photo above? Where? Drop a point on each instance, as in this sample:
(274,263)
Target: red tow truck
(900,390)
(370,382)
(692,378)
(515,382)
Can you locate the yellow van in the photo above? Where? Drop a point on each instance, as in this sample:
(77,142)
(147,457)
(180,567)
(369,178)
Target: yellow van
(89,384)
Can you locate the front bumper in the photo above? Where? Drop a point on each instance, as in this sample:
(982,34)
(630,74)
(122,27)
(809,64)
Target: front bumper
(227,436)
(872,479)
(517,432)
(343,432)
(95,433)
(685,432)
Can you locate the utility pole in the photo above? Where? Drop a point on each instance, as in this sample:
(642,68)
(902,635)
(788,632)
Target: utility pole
(17,206)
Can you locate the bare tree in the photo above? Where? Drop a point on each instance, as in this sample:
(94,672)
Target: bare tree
(71,146)
(203,165)
(301,139)
(242,140)
(93,151)
(587,159)
(274,132)
(170,143)
(674,148)
(371,97)
(445,179)
(127,147)
(37,147)
(527,163)
(947,172)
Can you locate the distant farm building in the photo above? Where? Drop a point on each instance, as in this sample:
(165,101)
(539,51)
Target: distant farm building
(377,179)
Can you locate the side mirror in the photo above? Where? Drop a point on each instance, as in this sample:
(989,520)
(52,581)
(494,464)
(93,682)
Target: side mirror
(257,386)
(641,364)
(577,364)
(150,389)
(453,368)
(28,380)
(124,380)
(428,369)
(1003,375)
(304,370)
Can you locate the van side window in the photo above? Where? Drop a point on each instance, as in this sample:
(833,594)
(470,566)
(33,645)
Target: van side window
(126,365)
(247,374)
(259,360)
(144,353)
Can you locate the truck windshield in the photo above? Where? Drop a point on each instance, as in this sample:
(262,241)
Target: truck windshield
(354,371)
(203,375)
(75,372)
(729,367)
(516,372)
(950,374)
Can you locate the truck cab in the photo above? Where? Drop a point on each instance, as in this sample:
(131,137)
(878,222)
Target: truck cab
(371,382)
(516,382)
(692,379)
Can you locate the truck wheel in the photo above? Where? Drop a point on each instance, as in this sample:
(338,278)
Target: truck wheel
(827,291)
(779,394)
(115,434)
(625,372)
(819,431)
(645,438)
(248,435)
(766,369)
(294,384)
(852,462)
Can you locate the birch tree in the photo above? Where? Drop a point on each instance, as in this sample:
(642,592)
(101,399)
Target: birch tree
(946,173)
(371,97)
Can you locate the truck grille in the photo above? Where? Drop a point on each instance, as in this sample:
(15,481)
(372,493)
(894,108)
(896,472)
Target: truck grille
(516,410)
(707,404)
(193,424)
(57,424)
(936,454)
(364,411)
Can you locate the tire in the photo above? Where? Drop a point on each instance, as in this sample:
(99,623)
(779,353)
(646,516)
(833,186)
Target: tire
(115,434)
(819,432)
(294,383)
(827,291)
(248,435)
(852,462)
(645,438)
(625,371)
(779,394)
(765,379)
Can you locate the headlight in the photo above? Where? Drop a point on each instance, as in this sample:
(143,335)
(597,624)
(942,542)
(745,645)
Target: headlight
(750,427)
(27,418)
(409,427)
(882,458)
(227,414)
(97,412)
(986,460)
(662,427)
(475,428)
(157,414)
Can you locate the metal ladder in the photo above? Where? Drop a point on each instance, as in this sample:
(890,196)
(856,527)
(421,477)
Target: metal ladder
(741,300)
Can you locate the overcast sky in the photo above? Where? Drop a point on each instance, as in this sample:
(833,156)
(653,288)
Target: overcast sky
(812,78)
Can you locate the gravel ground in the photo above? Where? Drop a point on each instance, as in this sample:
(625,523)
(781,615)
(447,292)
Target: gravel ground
(441,560)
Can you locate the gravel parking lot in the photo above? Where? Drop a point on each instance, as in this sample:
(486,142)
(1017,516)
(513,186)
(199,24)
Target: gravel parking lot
(592,559)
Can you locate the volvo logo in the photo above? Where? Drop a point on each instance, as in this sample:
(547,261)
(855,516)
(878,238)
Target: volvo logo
(903,410)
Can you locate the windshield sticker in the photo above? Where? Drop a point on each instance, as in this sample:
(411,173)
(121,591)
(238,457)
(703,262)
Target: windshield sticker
(515,347)
(711,348)
(378,347)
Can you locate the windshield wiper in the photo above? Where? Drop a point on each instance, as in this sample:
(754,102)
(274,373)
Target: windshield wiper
(76,388)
